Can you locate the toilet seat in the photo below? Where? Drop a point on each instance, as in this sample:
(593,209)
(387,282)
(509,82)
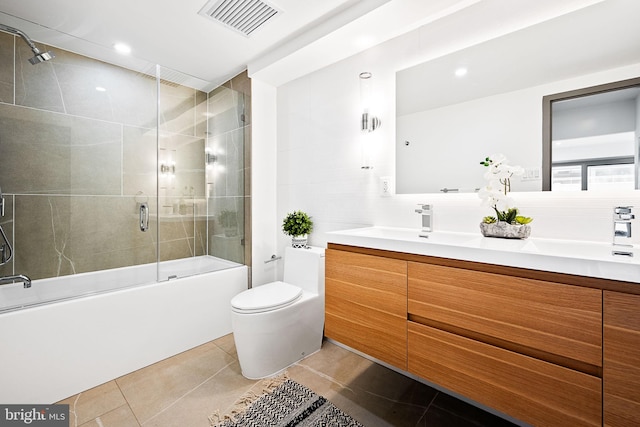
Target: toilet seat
(271,296)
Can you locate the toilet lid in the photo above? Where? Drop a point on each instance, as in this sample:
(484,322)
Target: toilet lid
(266,297)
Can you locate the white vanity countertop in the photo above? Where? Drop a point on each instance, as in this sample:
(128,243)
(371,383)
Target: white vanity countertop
(592,259)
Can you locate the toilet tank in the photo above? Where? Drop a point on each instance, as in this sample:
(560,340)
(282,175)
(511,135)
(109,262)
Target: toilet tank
(305,268)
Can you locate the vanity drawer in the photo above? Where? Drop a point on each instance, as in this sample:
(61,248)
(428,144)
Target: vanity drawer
(531,390)
(552,321)
(366,304)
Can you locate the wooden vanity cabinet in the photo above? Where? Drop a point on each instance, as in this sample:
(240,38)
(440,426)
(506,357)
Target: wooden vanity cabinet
(527,343)
(621,359)
(551,321)
(529,348)
(366,304)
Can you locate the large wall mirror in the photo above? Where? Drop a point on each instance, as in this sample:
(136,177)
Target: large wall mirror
(447,121)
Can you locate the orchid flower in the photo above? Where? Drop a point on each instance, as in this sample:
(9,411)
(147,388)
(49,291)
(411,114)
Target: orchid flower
(494,194)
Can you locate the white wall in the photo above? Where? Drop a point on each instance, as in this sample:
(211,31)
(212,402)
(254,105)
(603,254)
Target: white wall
(263,182)
(319,158)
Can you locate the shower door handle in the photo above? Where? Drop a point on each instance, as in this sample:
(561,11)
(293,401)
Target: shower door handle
(144,216)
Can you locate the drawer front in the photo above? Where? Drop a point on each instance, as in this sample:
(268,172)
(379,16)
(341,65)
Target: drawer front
(621,359)
(553,318)
(534,391)
(366,304)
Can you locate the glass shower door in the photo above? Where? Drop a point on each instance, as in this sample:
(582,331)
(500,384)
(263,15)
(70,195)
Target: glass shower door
(195,164)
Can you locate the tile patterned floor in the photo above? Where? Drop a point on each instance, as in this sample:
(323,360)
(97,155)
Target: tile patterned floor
(184,390)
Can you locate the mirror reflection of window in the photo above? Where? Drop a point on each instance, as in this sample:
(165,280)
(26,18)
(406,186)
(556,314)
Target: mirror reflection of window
(594,141)
(566,178)
(592,177)
(607,177)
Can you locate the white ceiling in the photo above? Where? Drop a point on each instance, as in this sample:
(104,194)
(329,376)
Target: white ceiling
(306,35)
(171,33)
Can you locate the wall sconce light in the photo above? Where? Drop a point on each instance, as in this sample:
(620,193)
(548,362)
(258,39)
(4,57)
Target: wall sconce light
(210,158)
(168,169)
(369,123)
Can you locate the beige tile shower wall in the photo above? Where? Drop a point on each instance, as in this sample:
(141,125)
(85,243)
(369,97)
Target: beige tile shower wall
(60,235)
(53,153)
(6,68)
(76,162)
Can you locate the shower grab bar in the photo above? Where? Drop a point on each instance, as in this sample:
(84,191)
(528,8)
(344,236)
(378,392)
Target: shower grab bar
(144,216)
(18,277)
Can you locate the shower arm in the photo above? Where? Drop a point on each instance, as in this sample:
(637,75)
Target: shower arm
(22,35)
(39,56)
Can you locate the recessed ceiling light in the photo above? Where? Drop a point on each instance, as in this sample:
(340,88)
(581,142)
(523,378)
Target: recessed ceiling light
(364,41)
(122,48)
(100,89)
(461,72)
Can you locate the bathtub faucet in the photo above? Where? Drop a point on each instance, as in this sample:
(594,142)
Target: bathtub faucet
(17,278)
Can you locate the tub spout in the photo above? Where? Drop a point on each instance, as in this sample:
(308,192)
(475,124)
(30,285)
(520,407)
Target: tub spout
(17,278)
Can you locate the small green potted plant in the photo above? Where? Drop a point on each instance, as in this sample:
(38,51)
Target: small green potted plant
(298,225)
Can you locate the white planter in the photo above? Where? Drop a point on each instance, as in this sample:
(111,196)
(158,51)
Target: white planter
(505,230)
(299,241)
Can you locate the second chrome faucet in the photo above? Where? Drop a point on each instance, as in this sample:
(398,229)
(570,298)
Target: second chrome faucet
(426,211)
(622,216)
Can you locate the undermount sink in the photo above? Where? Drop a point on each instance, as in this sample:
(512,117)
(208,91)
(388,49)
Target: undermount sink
(410,235)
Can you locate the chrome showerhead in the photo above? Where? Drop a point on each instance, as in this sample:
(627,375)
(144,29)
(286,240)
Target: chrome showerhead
(41,56)
(38,56)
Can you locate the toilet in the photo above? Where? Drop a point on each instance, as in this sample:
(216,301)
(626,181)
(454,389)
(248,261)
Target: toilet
(279,323)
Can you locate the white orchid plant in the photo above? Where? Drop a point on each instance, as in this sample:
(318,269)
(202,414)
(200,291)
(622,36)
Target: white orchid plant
(495,193)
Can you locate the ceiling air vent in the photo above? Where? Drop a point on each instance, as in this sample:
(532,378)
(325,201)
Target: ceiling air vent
(244,16)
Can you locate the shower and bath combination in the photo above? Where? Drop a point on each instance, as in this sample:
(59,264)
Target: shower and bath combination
(39,56)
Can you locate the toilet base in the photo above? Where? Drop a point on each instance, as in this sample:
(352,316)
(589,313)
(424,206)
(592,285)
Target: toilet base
(270,342)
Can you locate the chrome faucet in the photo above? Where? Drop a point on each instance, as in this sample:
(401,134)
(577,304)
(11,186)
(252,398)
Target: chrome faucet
(17,278)
(427,219)
(622,216)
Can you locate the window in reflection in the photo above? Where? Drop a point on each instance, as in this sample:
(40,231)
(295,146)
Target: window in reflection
(607,177)
(598,175)
(566,178)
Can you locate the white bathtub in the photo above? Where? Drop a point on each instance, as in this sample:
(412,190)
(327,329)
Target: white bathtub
(54,344)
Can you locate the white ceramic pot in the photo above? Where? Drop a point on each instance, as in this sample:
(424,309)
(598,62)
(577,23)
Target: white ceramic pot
(299,241)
